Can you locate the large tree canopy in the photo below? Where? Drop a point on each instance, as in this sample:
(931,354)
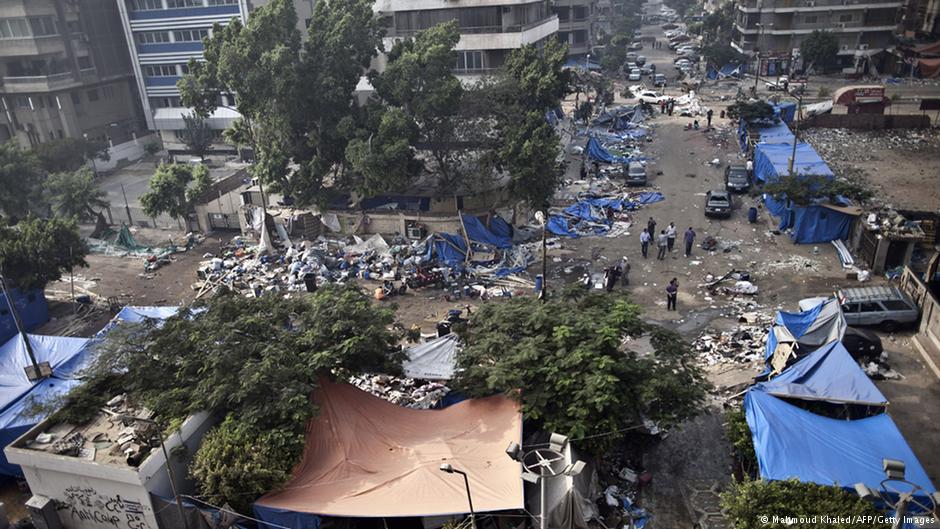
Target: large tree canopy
(820,49)
(573,369)
(70,154)
(37,251)
(253,362)
(76,194)
(174,189)
(20,179)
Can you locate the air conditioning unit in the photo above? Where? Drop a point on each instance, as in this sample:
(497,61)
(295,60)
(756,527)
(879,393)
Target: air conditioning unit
(416,233)
(43,513)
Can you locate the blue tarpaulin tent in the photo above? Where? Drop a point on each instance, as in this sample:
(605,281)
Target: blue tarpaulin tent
(728,70)
(500,227)
(827,374)
(480,234)
(776,133)
(791,442)
(785,111)
(590,214)
(771,161)
(809,329)
(596,151)
(32,308)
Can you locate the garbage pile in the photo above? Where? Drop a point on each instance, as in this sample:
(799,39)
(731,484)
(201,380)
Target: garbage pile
(853,146)
(600,215)
(689,105)
(794,263)
(743,344)
(887,221)
(406,392)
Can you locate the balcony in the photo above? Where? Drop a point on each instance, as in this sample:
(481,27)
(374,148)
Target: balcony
(28,46)
(390,6)
(46,83)
(809,6)
(184,12)
(508,37)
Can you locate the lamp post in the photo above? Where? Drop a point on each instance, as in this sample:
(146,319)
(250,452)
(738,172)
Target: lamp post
(542,218)
(894,473)
(448,468)
(760,32)
(796,130)
(544,463)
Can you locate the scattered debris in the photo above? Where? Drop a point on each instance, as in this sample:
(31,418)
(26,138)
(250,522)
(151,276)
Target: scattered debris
(407,392)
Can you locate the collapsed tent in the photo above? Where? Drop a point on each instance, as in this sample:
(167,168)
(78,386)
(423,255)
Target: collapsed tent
(827,374)
(620,118)
(598,152)
(728,70)
(796,334)
(31,306)
(432,360)
(591,216)
(791,442)
(816,223)
(364,455)
(771,161)
(489,251)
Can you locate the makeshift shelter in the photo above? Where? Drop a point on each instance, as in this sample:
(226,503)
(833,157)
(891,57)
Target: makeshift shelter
(31,306)
(795,334)
(791,442)
(728,70)
(816,223)
(827,374)
(598,152)
(433,360)
(786,111)
(366,457)
(590,216)
(771,161)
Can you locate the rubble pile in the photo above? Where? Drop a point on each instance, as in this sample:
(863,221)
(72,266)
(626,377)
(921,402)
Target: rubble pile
(794,263)
(743,344)
(852,146)
(407,392)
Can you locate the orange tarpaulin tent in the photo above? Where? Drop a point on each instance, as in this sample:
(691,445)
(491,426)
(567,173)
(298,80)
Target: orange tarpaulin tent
(366,457)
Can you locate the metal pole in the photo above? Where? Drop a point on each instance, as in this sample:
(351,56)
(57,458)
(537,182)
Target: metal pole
(760,29)
(19,324)
(473,517)
(127,208)
(543,516)
(71,276)
(796,135)
(544,292)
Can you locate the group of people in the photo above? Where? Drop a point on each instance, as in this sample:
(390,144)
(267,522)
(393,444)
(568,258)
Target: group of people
(666,240)
(666,106)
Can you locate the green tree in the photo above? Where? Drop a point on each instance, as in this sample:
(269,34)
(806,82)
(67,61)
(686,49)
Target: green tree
(37,251)
(820,50)
(802,189)
(254,362)
(386,159)
(747,505)
(574,372)
(20,181)
(531,151)
(173,188)
(70,154)
(738,434)
(751,111)
(538,74)
(197,135)
(76,194)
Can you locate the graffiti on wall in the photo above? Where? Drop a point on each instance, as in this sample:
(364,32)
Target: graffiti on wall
(86,505)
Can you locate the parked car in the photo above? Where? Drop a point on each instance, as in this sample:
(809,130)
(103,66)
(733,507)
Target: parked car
(736,178)
(647,69)
(669,25)
(885,307)
(629,67)
(635,46)
(862,344)
(636,174)
(631,57)
(659,80)
(641,60)
(649,96)
(635,75)
(718,204)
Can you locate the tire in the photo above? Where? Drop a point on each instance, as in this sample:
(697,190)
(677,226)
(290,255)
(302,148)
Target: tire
(889,326)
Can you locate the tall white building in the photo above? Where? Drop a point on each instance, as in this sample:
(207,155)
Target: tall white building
(163,36)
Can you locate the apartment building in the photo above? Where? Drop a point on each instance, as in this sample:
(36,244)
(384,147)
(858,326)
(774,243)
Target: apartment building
(65,72)
(864,29)
(576,20)
(163,35)
(922,19)
(489,29)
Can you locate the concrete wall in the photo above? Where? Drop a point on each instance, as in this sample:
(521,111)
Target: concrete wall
(867,121)
(91,495)
(126,152)
(927,338)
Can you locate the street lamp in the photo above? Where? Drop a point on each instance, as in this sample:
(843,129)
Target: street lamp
(760,32)
(448,468)
(544,463)
(542,218)
(894,472)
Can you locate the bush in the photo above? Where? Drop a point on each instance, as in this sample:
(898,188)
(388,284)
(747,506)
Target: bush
(738,434)
(151,148)
(748,504)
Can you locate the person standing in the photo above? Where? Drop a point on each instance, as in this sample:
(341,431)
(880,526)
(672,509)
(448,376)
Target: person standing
(645,242)
(672,292)
(750,167)
(662,243)
(708,115)
(651,227)
(689,241)
(662,106)
(626,272)
(671,236)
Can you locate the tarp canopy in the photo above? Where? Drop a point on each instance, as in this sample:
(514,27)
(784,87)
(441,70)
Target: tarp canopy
(478,233)
(31,306)
(596,151)
(827,374)
(367,457)
(785,111)
(806,331)
(57,350)
(433,360)
(135,314)
(813,224)
(771,161)
(728,70)
(776,133)
(791,442)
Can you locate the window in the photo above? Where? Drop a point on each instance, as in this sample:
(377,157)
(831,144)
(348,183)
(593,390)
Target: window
(84,63)
(61,134)
(871,306)
(190,35)
(165,102)
(469,60)
(93,94)
(107,92)
(580,13)
(183,3)
(42,26)
(850,308)
(895,304)
(160,70)
(76,98)
(223,2)
(152,37)
(22,102)
(38,102)
(811,19)
(145,5)
(846,17)
(74,26)
(17,28)
(184,69)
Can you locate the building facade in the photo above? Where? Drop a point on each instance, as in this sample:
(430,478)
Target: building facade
(489,29)
(65,72)
(922,19)
(864,29)
(576,21)
(163,35)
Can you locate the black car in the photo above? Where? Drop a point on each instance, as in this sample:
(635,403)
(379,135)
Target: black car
(862,344)
(636,174)
(736,178)
(718,204)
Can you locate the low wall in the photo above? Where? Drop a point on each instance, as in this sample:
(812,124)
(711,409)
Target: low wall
(866,121)
(372,222)
(124,153)
(928,331)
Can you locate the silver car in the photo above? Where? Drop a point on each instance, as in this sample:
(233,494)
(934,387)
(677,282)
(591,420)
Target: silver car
(886,307)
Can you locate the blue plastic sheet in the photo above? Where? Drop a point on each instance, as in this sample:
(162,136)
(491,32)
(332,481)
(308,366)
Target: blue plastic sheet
(827,374)
(771,161)
(819,224)
(791,442)
(272,518)
(649,197)
(478,233)
(500,227)
(776,133)
(596,151)
(57,350)
(32,308)
(785,111)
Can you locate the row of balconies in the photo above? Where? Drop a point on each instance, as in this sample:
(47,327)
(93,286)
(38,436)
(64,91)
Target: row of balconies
(784,6)
(46,83)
